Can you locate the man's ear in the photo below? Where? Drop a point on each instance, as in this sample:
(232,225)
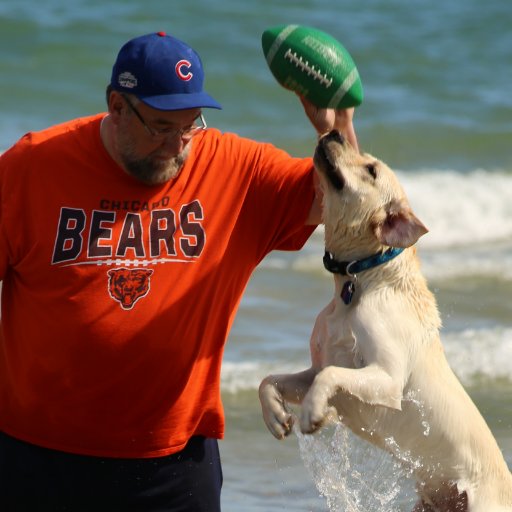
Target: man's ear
(398,227)
(116,104)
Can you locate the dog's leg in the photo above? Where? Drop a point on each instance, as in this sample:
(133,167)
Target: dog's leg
(371,384)
(274,391)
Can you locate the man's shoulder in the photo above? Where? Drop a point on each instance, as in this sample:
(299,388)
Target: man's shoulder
(37,146)
(66,127)
(233,145)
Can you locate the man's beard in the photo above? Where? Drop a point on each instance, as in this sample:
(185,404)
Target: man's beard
(151,170)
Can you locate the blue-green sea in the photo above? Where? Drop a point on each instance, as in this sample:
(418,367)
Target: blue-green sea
(437,79)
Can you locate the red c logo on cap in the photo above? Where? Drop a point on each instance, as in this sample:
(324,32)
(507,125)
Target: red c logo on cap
(178,68)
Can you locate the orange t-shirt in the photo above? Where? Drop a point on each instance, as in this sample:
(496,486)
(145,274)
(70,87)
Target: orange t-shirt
(118,297)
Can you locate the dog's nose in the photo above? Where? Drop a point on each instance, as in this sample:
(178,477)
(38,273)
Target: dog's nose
(336,136)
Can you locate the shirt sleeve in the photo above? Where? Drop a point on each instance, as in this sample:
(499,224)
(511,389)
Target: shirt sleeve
(11,181)
(280,198)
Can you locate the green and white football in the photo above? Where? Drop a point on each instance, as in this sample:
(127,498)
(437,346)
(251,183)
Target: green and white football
(313,64)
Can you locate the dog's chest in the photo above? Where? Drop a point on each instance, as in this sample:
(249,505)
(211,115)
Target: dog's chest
(338,346)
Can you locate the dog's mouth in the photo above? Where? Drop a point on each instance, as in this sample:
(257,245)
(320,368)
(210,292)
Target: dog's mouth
(324,158)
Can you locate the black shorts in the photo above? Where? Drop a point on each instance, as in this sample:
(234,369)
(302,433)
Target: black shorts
(38,479)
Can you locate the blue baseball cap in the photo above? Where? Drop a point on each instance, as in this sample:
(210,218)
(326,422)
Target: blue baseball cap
(162,72)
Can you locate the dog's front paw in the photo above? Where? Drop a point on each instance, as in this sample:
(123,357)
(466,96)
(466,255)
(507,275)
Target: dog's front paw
(313,415)
(275,414)
(316,410)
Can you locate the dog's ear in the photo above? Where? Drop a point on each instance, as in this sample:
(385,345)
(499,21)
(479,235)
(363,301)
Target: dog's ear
(399,227)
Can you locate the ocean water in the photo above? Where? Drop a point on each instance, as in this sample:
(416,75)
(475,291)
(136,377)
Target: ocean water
(437,109)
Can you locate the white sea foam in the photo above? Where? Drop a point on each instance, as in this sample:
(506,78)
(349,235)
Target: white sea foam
(480,353)
(474,354)
(461,208)
(247,375)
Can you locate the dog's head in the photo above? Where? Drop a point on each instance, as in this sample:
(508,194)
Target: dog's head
(364,205)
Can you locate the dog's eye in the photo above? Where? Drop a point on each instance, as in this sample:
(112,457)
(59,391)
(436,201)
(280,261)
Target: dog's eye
(372,170)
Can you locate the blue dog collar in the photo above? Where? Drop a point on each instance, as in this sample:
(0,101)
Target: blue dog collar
(352,268)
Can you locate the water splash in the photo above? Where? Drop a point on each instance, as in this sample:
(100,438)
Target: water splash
(420,405)
(353,475)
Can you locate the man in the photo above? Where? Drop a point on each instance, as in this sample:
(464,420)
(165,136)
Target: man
(126,241)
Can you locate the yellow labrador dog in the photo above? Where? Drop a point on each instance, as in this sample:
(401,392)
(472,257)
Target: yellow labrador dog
(377,360)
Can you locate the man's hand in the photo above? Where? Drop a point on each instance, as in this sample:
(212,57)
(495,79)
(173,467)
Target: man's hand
(326,119)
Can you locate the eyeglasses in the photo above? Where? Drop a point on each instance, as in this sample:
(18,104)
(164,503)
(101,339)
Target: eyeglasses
(187,132)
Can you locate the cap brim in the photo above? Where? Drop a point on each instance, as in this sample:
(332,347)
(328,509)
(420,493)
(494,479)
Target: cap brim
(180,101)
